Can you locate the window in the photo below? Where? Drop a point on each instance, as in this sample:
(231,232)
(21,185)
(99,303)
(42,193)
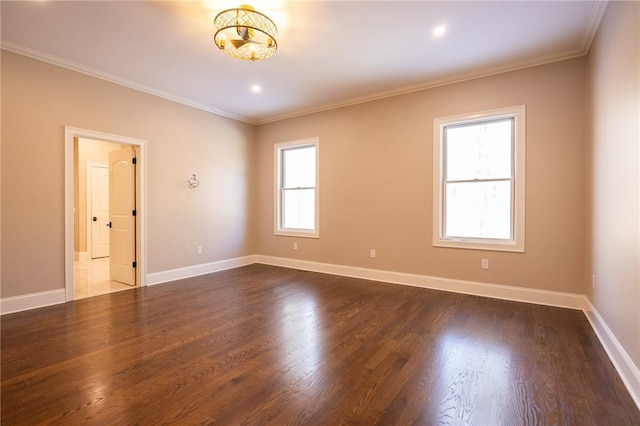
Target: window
(479,180)
(297,188)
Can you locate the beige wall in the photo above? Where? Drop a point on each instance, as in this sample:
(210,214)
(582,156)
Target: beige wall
(39,99)
(376,181)
(375,177)
(86,151)
(614,124)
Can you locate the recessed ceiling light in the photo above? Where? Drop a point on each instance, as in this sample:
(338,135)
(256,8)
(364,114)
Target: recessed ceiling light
(256,89)
(439,31)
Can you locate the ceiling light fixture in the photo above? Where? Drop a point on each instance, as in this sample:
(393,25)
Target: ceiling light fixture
(245,34)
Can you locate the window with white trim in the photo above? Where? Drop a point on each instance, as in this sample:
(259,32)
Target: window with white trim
(297,188)
(479,180)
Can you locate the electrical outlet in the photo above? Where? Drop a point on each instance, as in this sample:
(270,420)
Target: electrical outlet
(199,250)
(484,264)
(372,253)
(295,246)
(593,281)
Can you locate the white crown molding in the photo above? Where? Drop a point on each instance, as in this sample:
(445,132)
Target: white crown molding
(595,17)
(54,60)
(430,85)
(35,54)
(597,12)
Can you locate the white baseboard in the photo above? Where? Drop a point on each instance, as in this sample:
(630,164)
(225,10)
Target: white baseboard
(195,270)
(628,371)
(25,302)
(518,294)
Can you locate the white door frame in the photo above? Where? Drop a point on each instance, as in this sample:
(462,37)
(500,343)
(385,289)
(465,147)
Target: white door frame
(70,133)
(89,200)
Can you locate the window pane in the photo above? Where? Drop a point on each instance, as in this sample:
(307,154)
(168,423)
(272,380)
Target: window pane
(299,167)
(479,150)
(299,211)
(478,210)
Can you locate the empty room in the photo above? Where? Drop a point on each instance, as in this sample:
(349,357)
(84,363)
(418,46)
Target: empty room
(320,212)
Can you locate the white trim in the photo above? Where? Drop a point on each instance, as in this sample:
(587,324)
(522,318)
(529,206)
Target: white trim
(624,365)
(277,155)
(496,291)
(587,39)
(41,56)
(73,66)
(196,270)
(430,85)
(26,302)
(70,133)
(599,6)
(518,113)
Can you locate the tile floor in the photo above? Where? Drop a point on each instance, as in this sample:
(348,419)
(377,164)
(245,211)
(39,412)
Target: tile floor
(91,278)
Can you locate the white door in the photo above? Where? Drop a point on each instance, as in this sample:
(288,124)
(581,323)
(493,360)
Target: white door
(99,211)
(122,203)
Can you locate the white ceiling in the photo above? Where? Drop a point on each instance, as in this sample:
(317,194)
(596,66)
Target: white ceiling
(330,53)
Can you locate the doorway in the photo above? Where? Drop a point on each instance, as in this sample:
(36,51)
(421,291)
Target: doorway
(104,185)
(104,198)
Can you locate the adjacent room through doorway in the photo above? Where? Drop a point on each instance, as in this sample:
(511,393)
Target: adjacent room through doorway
(104,217)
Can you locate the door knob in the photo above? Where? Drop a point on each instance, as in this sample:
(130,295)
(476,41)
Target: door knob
(95,219)
(109,224)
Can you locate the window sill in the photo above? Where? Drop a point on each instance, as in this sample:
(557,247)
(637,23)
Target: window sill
(487,246)
(297,233)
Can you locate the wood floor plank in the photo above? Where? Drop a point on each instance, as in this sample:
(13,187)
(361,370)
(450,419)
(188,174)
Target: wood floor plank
(265,345)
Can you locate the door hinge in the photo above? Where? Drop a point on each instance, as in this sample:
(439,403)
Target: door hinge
(134,264)
(133,212)
(134,160)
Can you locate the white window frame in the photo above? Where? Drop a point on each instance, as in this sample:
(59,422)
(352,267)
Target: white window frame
(517,241)
(278,150)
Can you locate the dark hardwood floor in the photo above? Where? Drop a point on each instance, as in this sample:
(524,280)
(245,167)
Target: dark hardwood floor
(265,345)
